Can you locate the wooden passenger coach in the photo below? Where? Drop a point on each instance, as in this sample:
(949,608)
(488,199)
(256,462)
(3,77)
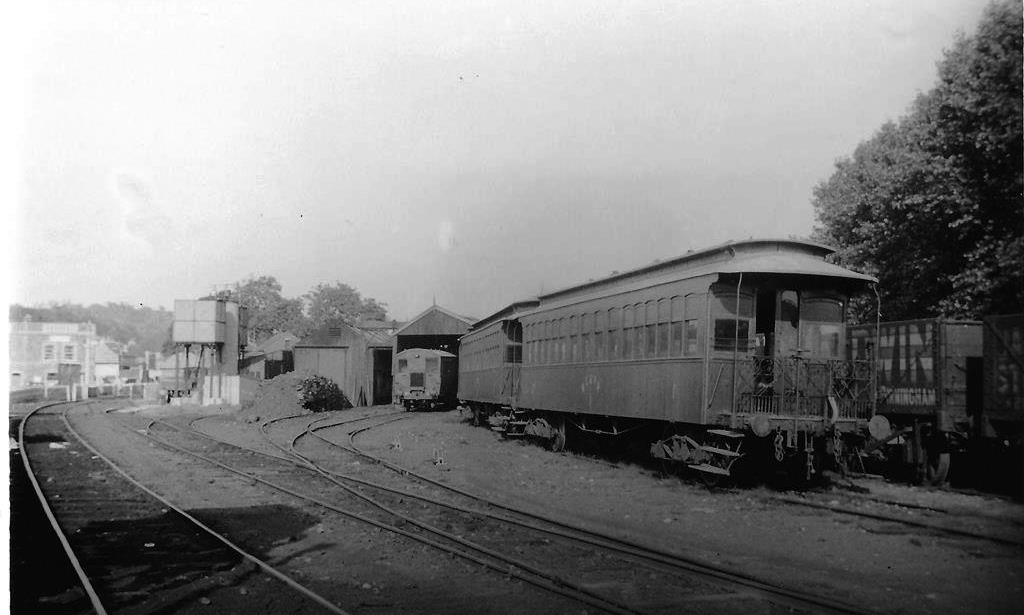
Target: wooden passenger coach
(702,350)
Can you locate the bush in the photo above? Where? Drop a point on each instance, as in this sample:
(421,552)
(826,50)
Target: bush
(321,394)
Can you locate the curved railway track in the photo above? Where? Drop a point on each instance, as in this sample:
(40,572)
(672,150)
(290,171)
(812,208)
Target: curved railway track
(132,549)
(579,565)
(844,510)
(368,511)
(663,578)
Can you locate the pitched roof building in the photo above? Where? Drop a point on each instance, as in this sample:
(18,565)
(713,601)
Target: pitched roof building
(358,360)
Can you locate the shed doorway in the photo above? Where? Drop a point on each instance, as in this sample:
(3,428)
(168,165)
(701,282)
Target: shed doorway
(382,376)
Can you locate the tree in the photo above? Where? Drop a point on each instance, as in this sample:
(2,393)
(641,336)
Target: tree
(337,303)
(933,205)
(269,312)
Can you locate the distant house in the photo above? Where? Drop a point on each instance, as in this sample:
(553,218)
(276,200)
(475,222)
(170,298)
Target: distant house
(50,353)
(358,360)
(107,359)
(271,357)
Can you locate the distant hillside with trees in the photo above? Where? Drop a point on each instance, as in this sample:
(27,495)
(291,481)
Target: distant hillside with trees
(933,204)
(143,328)
(137,328)
(326,304)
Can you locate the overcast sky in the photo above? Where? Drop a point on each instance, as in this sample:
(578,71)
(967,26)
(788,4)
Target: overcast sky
(476,152)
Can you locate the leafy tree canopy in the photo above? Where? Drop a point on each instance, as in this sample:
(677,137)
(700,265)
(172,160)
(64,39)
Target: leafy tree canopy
(933,205)
(337,303)
(269,311)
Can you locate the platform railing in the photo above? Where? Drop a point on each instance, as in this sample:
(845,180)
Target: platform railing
(805,388)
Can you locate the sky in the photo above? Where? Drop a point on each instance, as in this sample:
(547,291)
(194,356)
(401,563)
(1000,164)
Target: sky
(469,153)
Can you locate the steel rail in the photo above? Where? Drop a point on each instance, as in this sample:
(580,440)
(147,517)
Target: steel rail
(544,581)
(94,599)
(310,464)
(688,563)
(878,516)
(912,522)
(613,543)
(267,568)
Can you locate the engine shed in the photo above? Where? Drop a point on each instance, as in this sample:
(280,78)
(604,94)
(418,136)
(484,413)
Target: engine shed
(435,328)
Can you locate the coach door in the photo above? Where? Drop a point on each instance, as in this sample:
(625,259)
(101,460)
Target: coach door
(787,325)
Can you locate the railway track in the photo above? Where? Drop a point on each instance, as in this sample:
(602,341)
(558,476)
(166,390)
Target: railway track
(931,519)
(512,543)
(335,498)
(433,537)
(133,550)
(662,579)
(928,524)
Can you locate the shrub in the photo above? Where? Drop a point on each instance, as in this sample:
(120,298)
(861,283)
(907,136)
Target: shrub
(321,394)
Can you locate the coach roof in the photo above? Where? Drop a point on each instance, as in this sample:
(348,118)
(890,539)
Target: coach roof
(513,309)
(773,256)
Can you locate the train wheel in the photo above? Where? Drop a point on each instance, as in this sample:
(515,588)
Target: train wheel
(557,442)
(938,468)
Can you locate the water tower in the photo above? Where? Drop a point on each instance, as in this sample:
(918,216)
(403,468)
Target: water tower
(212,333)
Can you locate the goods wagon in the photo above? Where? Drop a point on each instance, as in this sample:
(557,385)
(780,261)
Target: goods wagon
(424,379)
(706,357)
(1003,397)
(924,368)
(998,442)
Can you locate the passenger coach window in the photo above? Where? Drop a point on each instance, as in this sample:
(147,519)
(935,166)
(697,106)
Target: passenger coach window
(692,345)
(676,349)
(789,303)
(600,324)
(545,342)
(730,336)
(731,321)
(821,325)
(627,332)
(614,333)
(663,320)
(562,352)
(574,340)
(586,337)
(402,364)
(651,330)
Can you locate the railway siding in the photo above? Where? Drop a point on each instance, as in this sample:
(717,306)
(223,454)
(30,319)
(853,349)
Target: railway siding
(139,554)
(880,566)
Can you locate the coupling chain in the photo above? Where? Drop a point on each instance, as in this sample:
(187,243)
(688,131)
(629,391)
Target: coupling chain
(780,450)
(837,448)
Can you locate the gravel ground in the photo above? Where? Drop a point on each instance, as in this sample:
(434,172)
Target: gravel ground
(887,567)
(883,566)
